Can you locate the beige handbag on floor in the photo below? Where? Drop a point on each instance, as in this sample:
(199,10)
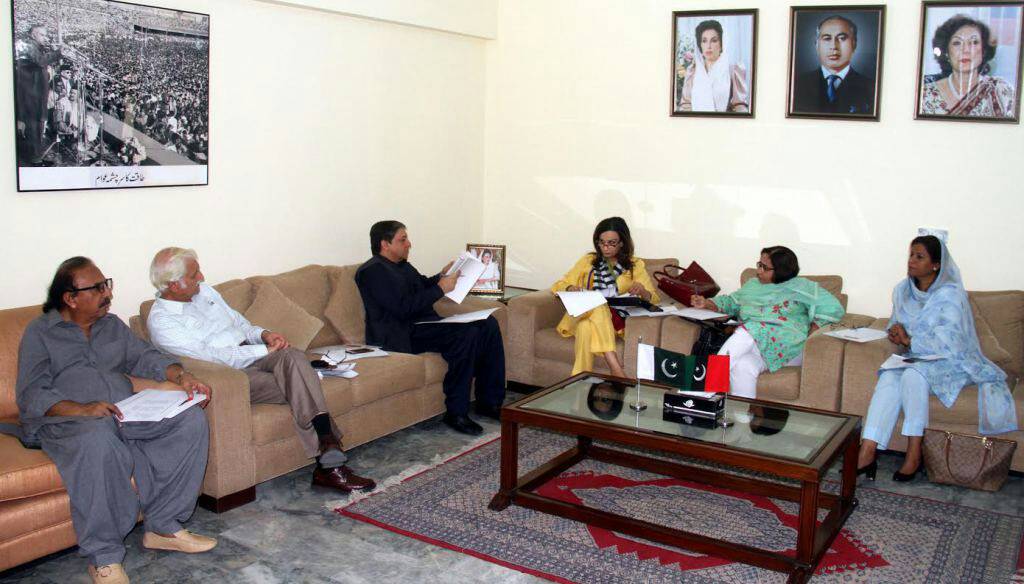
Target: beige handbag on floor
(975,462)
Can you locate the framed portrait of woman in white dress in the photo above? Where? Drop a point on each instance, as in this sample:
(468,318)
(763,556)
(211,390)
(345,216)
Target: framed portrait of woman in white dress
(714,56)
(970,61)
(492,280)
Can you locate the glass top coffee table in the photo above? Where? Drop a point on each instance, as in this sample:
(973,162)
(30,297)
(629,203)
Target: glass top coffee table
(786,442)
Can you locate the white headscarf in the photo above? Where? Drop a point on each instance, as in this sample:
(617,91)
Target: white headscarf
(711,88)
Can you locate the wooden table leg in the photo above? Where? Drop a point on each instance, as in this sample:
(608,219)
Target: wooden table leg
(509,466)
(808,522)
(850,470)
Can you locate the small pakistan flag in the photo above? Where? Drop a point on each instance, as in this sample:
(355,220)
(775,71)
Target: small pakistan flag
(687,372)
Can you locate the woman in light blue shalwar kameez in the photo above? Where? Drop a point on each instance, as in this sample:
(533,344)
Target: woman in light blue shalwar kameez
(931,316)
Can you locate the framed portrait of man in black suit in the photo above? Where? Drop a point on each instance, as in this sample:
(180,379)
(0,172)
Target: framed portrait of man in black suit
(835,62)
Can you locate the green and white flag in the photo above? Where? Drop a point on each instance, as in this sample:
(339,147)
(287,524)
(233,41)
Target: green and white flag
(687,372)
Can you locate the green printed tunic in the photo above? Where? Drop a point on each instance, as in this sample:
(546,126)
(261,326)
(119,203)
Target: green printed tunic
(779,316)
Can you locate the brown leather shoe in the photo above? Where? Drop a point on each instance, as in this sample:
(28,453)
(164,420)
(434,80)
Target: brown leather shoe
(109,574)
(341,478)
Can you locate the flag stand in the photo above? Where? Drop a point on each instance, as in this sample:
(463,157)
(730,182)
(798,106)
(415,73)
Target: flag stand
(639,405)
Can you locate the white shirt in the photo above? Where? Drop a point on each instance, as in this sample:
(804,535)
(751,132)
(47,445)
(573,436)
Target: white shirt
(205,328)
(841,74)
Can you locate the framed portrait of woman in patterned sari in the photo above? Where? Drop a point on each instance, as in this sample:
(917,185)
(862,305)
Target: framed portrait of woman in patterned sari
(970,61)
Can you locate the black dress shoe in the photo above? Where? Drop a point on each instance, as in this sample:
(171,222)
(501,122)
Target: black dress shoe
(869,470)
(341,478)
(489,411)
(462,424)
(906,478)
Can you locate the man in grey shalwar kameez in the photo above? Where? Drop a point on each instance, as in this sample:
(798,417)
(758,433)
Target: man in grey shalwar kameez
(73,366)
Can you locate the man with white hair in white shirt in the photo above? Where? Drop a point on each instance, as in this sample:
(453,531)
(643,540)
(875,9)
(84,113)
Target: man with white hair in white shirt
(190,318)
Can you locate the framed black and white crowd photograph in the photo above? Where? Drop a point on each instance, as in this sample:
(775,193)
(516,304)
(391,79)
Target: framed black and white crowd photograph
(492,280)
(835,61)
(970,61)
(714,60)
(109,95)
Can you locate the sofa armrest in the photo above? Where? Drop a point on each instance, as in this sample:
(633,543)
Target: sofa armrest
(647,328)
(821,374)
(232,464)
(528,314)
(860,373)
(678,334)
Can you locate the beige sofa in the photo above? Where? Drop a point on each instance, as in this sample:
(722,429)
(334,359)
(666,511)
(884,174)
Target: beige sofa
(816,383)
(538,355)
(251,443)
(999,319)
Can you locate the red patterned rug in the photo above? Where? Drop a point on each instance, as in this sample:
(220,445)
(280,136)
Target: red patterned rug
(889,538)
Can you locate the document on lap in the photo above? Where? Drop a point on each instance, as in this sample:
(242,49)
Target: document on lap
(461,318)
(153,405)
(470,269)
(577,303)
(903,361)
(858,335)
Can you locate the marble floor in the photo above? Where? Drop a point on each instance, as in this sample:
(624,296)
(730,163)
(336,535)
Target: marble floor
(290,535)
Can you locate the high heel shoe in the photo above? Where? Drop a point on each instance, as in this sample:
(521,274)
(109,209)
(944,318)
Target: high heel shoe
(869,470)
(906,478)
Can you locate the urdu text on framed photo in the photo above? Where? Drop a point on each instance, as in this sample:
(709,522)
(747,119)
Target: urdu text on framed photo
(835,61)
(714,60)
(970,61)
(109,95)
(492,280)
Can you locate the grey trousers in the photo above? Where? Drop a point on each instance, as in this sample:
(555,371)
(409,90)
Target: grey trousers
(97,458)
(286,376)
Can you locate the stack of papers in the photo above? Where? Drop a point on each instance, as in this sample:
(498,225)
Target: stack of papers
(469,268)
(345,353)
(153,405)
(346,370)
(858,335)
(698,313)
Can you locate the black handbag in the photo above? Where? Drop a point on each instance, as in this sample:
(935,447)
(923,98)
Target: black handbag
(712,336)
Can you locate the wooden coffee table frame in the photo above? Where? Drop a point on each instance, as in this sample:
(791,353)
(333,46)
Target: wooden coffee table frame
(813,540)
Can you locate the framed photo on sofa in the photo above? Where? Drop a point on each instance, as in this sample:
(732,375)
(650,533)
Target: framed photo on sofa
(492,280)
(109,95)
(969,68)
(714,57)
(835,62)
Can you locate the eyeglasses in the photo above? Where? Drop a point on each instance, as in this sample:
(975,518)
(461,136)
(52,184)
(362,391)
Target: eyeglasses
(762,266)
(100,287)
(614,243)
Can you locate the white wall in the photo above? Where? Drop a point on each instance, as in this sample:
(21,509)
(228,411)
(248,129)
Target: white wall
(578,129)
(473,17)
(320,125)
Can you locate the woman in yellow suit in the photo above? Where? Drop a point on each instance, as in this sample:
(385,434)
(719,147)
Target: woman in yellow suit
(612,270)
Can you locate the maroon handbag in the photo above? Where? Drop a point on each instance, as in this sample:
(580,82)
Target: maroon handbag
(686,283)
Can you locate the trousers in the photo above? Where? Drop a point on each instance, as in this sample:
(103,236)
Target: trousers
(745,363)
(896,390)
(285,376)
(97,458)
(594,333)
(472,350)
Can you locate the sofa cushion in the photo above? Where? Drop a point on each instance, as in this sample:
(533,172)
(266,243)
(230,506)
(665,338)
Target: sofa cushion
(272,310)
(308,287)
(436,367)
(12,325)
(990,346)
(344,310)
(380,377)
(1004,313)
(548,344)
(783,385)
(964,410)
(25,472)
